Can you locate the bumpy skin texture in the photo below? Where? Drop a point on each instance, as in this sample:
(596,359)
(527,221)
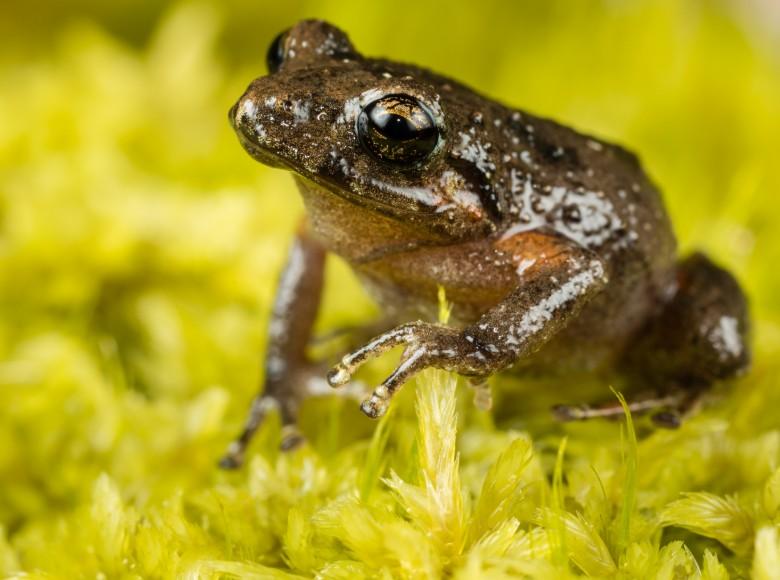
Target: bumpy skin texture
(554,247)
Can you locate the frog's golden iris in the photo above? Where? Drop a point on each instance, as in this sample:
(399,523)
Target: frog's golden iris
(397,129)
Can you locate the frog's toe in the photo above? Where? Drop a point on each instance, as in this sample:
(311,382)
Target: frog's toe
(406,334)
(413,362)
(374,406)
(667,419)
(292,438)
(483,396)
(338,376)
(261,406)
(233,458)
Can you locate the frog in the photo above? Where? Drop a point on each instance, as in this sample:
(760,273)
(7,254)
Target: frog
(553,247)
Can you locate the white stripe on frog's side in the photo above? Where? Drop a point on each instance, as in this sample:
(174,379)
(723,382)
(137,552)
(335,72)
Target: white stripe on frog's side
(596,218)
(418,194)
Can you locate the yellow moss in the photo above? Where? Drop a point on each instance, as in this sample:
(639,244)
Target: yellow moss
(721,518)
(766,559)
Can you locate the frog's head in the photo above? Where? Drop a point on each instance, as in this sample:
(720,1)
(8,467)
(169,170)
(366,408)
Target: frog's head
(389,137)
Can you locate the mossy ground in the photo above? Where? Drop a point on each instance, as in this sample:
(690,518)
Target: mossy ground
(139,247)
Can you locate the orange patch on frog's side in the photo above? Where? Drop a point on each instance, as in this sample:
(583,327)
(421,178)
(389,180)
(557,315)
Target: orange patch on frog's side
(533,250)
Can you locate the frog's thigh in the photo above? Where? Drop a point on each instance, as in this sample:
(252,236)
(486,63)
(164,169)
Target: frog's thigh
(700,336)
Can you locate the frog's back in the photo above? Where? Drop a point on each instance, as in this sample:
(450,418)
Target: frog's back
(597,194)
(593,192)
(534,173)
(550,178)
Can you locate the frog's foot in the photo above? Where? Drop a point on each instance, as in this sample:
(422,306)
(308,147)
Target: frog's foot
(234,456)
(483,396)
(286,400)
(426,345)
(665,410)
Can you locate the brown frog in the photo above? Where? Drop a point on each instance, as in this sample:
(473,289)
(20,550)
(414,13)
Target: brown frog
(554,247)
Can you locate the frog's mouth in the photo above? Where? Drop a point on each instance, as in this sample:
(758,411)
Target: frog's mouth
(323,185)
(257,152)
(263,155)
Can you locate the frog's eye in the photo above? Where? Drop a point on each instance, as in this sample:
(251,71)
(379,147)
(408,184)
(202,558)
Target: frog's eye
(397,129)
(275,55)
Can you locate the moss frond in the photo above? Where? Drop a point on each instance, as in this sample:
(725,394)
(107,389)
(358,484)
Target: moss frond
(721,518)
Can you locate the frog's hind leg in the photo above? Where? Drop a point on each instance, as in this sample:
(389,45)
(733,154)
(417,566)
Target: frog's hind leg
(698,337)
(701,335)
(666,409)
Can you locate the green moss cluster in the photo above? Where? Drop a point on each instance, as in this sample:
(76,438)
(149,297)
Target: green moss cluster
(138,252)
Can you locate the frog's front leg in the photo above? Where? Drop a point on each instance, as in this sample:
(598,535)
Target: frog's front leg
(548,294)
(288,372)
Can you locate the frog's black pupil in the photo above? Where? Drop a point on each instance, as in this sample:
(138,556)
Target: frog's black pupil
(398,129)
(393,126)
(275,55)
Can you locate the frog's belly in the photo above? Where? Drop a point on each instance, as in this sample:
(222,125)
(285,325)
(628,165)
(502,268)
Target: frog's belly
(474,274)
(592,341)
(406,300)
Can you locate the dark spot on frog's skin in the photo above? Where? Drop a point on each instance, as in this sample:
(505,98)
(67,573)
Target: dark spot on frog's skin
(521,128)
(558,154)
(572,214)
(536,204)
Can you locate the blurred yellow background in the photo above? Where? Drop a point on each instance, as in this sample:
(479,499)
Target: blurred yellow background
(139,244)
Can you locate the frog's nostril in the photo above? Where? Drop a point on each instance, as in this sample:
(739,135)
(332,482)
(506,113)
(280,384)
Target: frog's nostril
(232,115)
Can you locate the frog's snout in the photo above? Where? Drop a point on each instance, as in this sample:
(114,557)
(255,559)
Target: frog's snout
(243,118)
(256,131)
(232,116)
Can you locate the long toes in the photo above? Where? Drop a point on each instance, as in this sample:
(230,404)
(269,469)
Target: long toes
(342,372)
